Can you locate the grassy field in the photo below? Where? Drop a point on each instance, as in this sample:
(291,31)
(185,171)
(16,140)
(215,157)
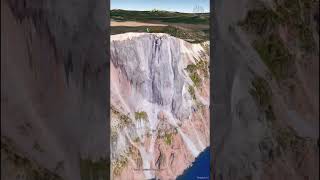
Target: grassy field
(190,27)
(162,16)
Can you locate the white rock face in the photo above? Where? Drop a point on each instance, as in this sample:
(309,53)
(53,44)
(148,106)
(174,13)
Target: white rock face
(151,64)
(148,74)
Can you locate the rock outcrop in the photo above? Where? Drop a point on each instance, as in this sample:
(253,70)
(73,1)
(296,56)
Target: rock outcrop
(160,100)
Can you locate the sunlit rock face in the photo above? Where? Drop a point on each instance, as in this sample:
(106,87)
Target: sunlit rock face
(159,97)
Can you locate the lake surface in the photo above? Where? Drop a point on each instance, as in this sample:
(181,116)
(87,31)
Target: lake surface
(200,168)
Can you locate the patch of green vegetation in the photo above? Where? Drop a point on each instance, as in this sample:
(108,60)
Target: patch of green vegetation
(134,153)
(142,115)
(274,54)
(124,119)
(293,11)
(196,19)
(191,68)
(114,110)
(195,79)
(294,15)
(262,20)
(263,94)
(168,137)
(306,37)
(206,48)
(288,140)
(137,139)
(187,35)
(192,92)
(118,165)
(265,22)
(261,91)
(93,170)
(164,16)
(202,65)
(121,29)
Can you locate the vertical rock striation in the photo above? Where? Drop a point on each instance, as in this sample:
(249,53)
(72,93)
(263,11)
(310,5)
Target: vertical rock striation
(53,85)
(154,109)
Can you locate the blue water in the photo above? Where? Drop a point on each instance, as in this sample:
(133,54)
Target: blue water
(200,168)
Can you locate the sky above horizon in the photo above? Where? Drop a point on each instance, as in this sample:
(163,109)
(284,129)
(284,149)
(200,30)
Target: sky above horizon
(168,5)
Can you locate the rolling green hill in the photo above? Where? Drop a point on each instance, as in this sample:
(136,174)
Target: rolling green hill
(162,16)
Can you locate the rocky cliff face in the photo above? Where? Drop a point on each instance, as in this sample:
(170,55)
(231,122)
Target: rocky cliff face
(160,99)
(53,88)
(266,103)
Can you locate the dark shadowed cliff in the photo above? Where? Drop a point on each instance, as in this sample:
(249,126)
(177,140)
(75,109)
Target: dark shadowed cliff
(54,88)
(265,89)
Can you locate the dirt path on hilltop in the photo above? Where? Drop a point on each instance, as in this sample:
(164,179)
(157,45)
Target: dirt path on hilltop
(159,23)
(134,24)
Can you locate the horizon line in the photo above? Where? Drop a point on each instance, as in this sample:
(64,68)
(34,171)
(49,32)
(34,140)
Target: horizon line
(160,10)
